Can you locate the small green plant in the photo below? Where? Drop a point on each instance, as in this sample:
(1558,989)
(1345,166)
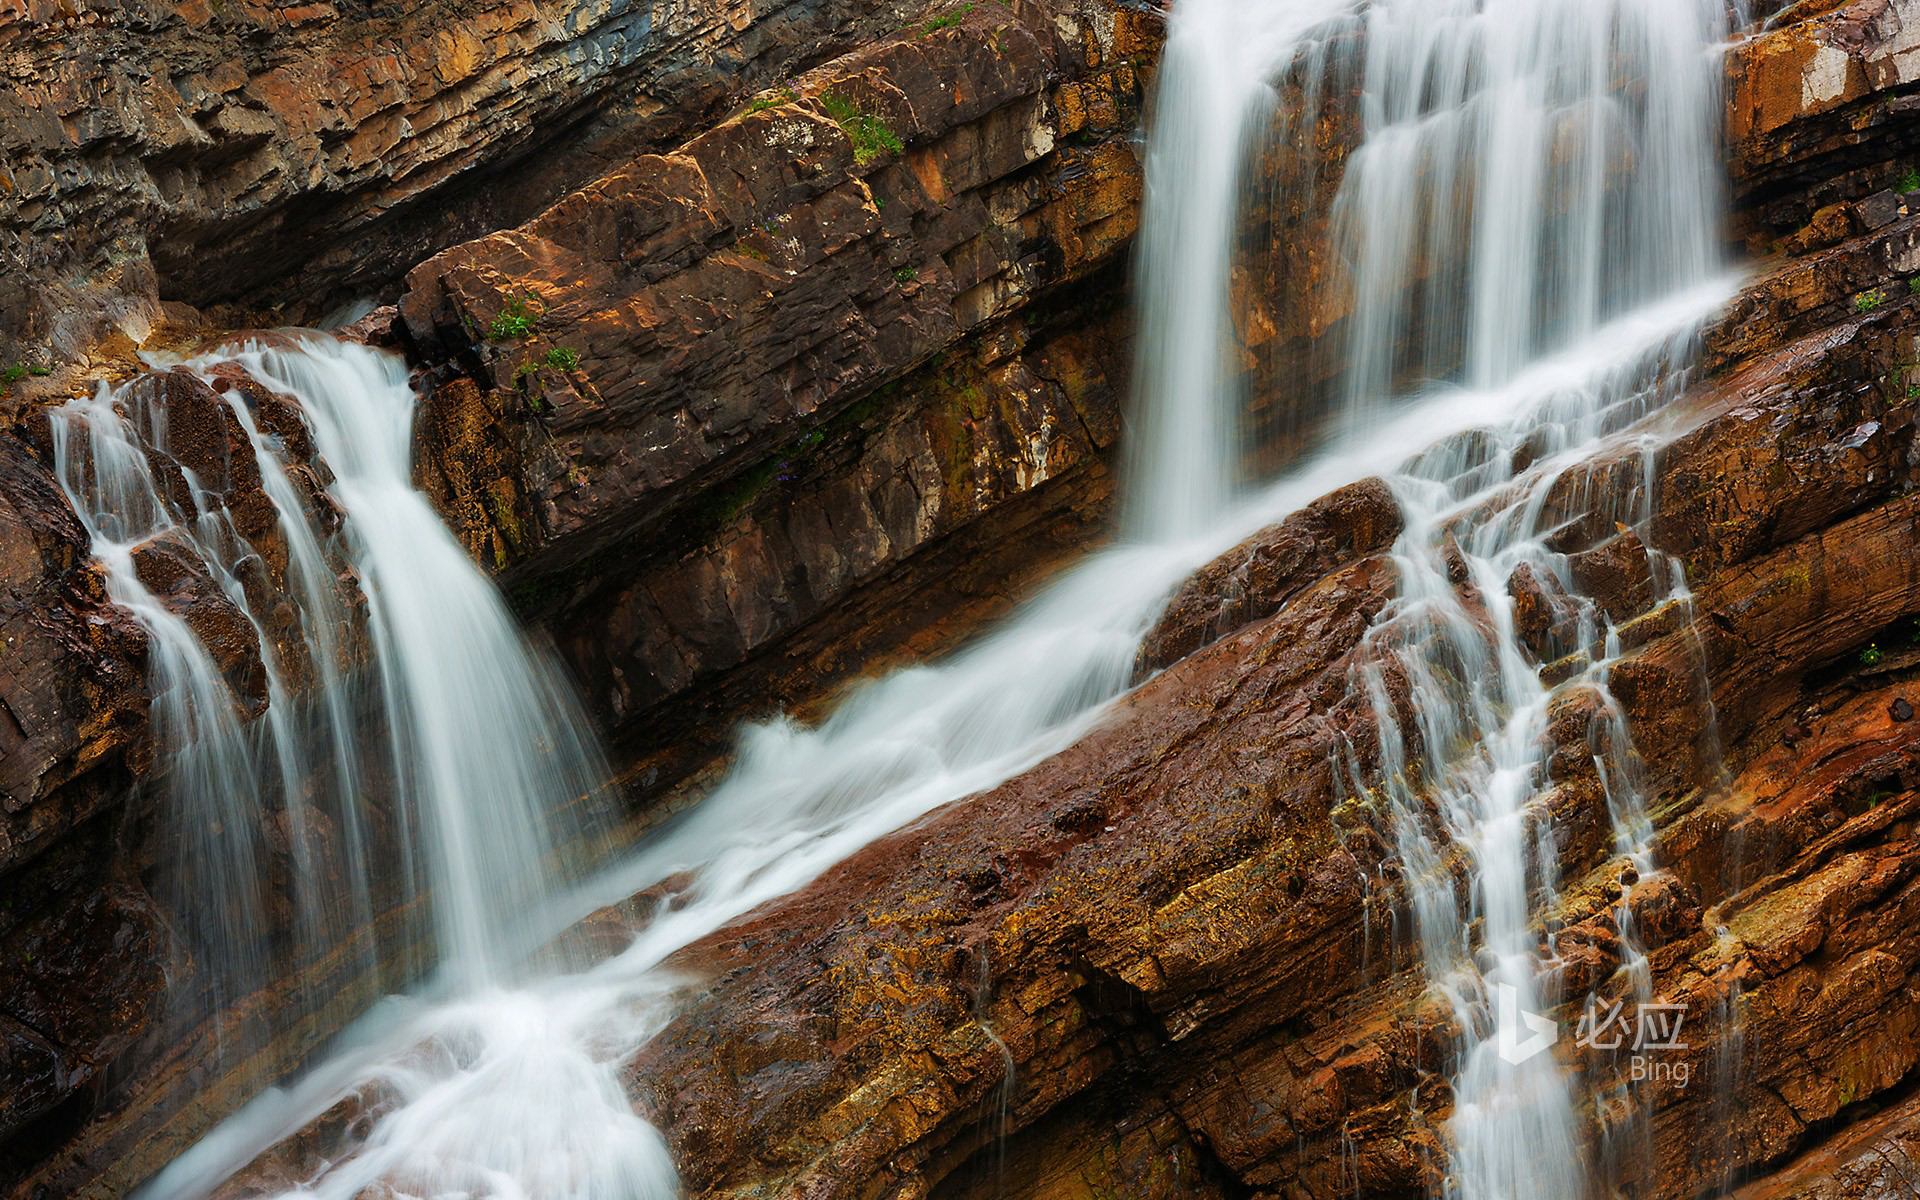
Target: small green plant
(1913,285)
(39,370)
(562,358)
(905,274)
(1869,300)
(870,135)
(749,250)
(13,374)
(1871,655)
(515,322)
(1909,181)
(948,20)
(772,98)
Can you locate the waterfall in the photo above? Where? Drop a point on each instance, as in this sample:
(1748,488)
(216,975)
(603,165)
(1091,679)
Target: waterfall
(495,762)
(1214,98)
(476,740)
(1531,170)
(1527,231)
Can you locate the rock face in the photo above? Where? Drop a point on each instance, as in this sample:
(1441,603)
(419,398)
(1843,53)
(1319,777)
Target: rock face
(849,366)
(1186,941)
(101,989)
(72,705)
(730,391)
(1259,577)
(269,154)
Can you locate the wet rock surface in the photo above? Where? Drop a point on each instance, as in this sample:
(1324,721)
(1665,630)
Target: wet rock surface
(1185,936)
(95,975)
(1183,926)
(1258,577)
(714,407)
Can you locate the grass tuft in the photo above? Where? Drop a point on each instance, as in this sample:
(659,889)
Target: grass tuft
(871,137)
(515,322)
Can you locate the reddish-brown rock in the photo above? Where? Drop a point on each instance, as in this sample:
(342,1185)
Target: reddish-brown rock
(1255,579)
(738,417)
(1185,929)
(95,978)
(306,155)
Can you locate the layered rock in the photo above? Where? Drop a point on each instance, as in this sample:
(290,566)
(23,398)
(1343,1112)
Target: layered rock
(72,708)
(768,404)
(101,990)
(272,154)
(934,435)
(764,381)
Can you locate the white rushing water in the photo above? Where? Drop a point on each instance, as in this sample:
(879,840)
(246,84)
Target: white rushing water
(494,760)
(1214,98)
(1530,169)
(475,742)
(1529,231)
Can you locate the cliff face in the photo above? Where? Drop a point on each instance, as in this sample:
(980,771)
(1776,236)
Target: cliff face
(726,393)
(744,392)
(294,157)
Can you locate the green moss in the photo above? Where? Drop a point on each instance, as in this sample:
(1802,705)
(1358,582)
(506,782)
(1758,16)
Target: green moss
(772,98)
(948,20)
(1909,181)
(871,137)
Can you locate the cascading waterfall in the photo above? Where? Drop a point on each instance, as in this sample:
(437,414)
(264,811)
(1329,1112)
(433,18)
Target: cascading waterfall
(478,741)
(101,453)
(512,1085)
(1531,169)
(493,759)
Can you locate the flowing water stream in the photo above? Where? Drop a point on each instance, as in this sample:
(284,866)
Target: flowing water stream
(476,742)
(1528,234)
